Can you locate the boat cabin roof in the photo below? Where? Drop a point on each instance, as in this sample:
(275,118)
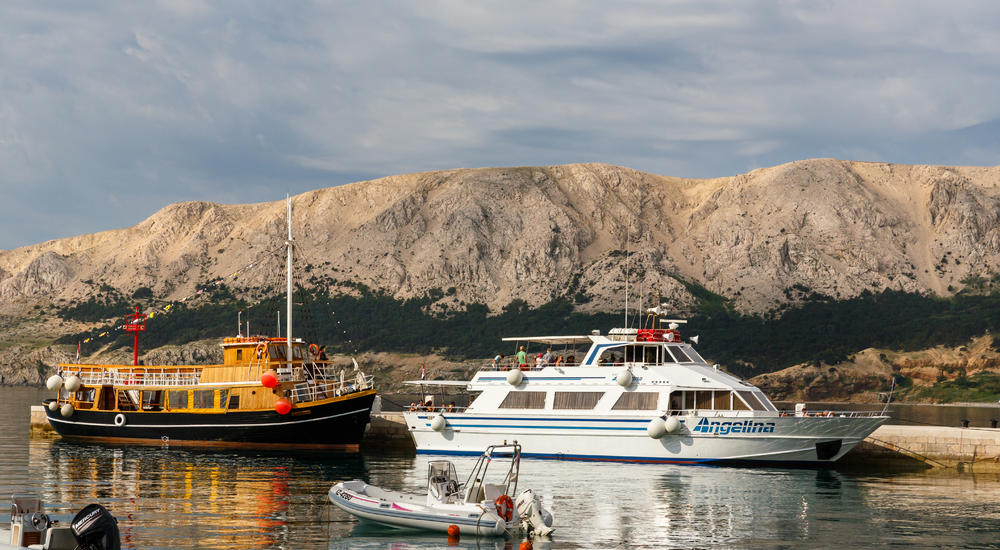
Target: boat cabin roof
(555,340)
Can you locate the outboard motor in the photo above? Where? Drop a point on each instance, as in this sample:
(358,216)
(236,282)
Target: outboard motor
(96,529)
(537,521)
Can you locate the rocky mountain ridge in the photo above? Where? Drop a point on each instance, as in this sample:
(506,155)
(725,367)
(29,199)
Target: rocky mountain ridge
(498,234)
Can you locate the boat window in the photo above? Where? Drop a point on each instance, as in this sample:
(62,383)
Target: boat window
(234,401)
(703,399)
(177,399)
(202,399)
(637,401)
(693,355)
(576,399)
(127,401)
(764,401)
(297,352)
(650,354)
(524,400)
(722,400)
(223,396)
(239,355)
(611,357)
(752,400)
(739,405)
(679,355)
(152,400)
(277,352)
(676,401)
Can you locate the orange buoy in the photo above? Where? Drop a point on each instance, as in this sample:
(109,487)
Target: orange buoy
(526,545)
(453,531)
(269,379)
(283,406)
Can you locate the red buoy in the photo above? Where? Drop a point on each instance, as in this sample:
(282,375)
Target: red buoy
(283,406)
(269,379)
(453,531)
(526,545)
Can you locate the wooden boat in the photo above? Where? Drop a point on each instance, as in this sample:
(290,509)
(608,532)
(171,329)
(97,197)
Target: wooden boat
(267,391)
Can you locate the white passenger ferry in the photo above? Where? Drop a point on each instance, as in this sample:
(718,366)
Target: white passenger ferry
(634,395)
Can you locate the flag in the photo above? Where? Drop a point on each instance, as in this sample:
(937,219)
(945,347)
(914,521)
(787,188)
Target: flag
(78,351)
(423,371)
(101,335)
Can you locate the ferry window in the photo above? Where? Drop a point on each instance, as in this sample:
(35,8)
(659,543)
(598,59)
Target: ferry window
(576,399)
(764,401)
(126,402)
(693,355)
(223,396)
(703,400)
(297,352)
(751,400)
(234,401)
(277,352)
(722,399)
(152,400)
(239,355)
(679,355)
(86,395)
(649,353)
(524,400)
(177,399)
(739,405)
(611,357)
(676,401)
(637,401)
(203,399)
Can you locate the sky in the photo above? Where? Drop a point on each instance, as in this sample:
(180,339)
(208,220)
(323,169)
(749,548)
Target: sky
(110,110)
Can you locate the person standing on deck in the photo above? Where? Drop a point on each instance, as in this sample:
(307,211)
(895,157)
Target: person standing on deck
(548,358)
(522,358)
(496,361)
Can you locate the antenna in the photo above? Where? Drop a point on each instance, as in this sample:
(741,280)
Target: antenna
(626,273)
(288,295)
(279,323)
(239,323)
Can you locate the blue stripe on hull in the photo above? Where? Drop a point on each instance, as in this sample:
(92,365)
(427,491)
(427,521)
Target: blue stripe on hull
(651,460)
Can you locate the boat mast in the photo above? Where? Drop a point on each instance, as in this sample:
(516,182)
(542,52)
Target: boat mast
(288,290)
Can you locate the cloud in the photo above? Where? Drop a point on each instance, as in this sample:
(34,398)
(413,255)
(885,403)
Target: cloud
(110,111)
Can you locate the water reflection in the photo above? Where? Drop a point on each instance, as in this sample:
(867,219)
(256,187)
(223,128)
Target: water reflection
(168,497)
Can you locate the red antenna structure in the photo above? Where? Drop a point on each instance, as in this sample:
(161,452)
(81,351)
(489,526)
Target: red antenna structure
(135,325)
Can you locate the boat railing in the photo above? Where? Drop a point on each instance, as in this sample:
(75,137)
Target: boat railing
(315,388)
(832,413)
(145,376)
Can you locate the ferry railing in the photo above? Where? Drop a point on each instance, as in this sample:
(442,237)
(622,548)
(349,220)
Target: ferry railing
(137,377)
(730,413)
(313,389)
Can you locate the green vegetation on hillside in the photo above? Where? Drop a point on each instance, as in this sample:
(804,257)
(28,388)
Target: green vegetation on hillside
(820,329)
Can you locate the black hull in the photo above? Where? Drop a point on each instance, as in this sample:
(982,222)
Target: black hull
(339,423)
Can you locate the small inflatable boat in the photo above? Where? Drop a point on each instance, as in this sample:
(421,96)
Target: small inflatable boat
(476,507)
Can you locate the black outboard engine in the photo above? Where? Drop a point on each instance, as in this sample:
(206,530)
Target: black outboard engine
(96,529)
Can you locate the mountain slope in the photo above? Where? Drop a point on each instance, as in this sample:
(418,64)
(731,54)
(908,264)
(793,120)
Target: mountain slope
(498,234)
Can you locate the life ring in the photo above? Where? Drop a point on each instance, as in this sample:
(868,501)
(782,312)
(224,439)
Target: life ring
(119,420)
(260,350)
(505,507)
(314,349)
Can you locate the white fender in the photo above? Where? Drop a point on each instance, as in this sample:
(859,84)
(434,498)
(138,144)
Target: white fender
(515,377)
(672,425)
(439,423)
(53,406)
(625,378)
(54,382)
(656,428)
(73,383)
(66,410)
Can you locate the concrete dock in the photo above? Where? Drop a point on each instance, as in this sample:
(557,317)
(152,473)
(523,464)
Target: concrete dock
(890,447)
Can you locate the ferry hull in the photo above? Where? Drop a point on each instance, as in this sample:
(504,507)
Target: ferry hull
(781,440)
(339,423)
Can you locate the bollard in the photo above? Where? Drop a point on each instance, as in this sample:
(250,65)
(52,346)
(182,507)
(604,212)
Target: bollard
(965,422)
(993,422)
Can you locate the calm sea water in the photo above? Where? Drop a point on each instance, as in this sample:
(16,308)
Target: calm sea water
(169,497)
